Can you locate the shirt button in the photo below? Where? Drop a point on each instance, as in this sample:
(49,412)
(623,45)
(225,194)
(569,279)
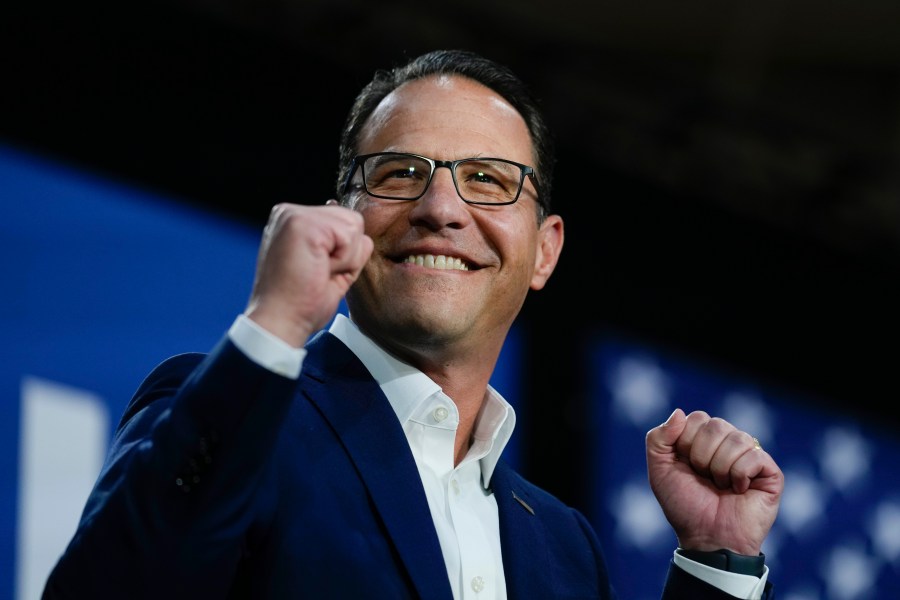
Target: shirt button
(440,413)
(455,485)
(477,584)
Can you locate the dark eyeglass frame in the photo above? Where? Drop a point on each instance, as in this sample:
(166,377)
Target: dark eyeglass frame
(358,161)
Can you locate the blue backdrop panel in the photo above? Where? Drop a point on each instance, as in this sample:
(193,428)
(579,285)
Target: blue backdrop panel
(100,282)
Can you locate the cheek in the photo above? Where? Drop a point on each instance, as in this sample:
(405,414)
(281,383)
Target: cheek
(379,218)
(516,240)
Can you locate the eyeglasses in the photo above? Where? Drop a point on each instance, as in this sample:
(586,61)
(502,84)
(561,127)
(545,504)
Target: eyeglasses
(402,176)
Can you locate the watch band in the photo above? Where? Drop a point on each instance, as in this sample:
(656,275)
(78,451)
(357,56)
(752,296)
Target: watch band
(726,560)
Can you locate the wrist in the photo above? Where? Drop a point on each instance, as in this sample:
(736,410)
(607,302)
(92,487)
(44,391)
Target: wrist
(726,560)
(273,322)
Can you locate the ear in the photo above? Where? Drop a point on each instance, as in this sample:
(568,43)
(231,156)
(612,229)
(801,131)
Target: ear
(549,245)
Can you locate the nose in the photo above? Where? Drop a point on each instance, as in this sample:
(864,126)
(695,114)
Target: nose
(440,205)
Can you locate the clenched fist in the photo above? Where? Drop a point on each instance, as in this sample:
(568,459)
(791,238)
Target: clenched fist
(716,486)
(309,257)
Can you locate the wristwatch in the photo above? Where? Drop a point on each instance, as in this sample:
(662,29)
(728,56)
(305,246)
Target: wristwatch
(726,560)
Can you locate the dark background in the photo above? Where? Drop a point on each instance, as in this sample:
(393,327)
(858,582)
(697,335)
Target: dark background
(729,174)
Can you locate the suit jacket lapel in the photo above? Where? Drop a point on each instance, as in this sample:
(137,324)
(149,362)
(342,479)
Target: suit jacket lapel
(349,398)
(521,536)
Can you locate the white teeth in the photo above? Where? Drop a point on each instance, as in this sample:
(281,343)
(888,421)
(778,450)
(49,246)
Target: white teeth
(437,262)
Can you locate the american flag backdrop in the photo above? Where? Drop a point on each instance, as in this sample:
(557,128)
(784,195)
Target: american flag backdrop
(837,536)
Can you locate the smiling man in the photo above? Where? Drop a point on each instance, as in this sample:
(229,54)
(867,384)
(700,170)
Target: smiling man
(364,461)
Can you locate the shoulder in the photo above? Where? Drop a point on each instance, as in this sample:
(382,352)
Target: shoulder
(162,381)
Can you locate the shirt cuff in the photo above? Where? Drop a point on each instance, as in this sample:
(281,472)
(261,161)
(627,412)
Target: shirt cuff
(266,349)
(746,587)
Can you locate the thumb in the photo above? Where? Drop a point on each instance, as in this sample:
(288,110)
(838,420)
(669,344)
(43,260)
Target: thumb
(661,439)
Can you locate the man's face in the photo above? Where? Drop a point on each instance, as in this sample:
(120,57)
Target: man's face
(424,308)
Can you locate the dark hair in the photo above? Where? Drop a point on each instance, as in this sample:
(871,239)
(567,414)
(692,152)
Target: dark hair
(467,64)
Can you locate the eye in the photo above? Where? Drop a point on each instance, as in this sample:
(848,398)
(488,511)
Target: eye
(392,167)
(483,177)
(488,174)
(403,173)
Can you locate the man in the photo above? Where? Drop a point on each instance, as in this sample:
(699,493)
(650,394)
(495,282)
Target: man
(364,461)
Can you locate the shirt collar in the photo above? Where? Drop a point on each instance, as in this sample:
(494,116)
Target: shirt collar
(406,388)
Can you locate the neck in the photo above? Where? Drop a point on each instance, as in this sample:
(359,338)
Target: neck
(462,369)
(469,399)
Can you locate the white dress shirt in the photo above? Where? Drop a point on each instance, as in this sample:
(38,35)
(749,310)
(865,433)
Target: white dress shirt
(461,503)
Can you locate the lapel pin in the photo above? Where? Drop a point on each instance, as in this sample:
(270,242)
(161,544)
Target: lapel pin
(523,503)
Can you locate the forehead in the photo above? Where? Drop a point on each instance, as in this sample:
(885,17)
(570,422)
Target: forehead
(447,117)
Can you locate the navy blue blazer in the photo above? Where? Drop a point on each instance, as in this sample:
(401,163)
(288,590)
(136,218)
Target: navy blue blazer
(265,487)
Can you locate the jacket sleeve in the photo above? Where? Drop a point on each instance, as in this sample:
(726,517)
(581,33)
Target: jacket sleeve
(181,484)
